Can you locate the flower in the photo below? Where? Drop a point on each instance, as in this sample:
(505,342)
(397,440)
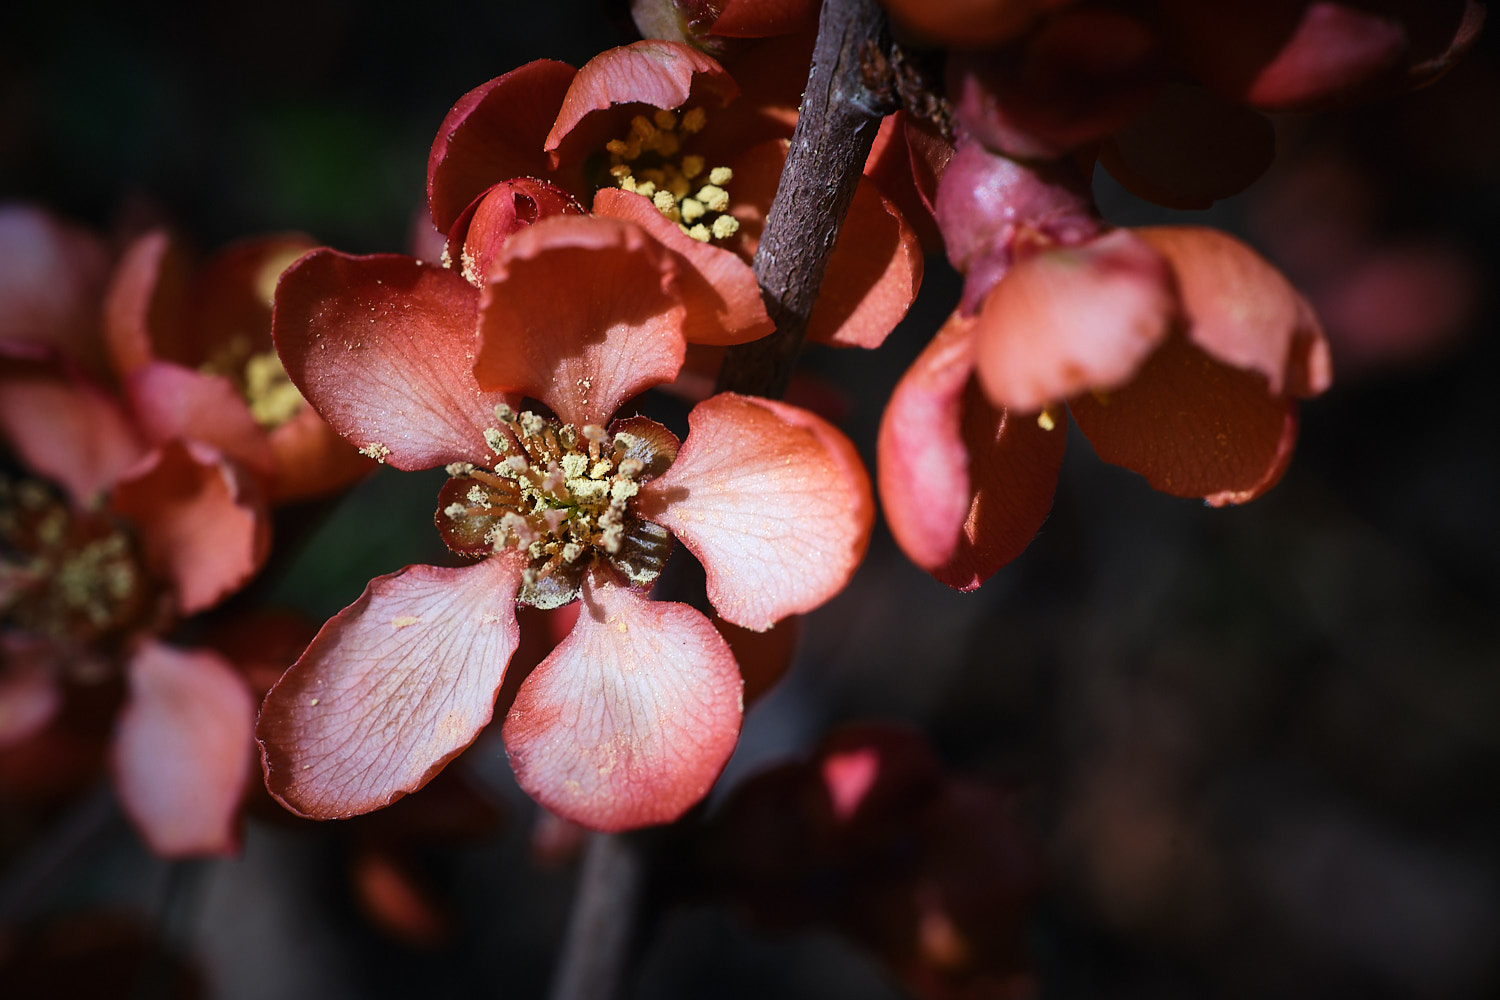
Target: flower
(629,720)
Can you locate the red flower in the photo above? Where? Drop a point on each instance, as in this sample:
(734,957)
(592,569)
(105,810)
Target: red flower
(629,720)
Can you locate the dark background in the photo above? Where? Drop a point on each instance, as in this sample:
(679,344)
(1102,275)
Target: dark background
(1260,746)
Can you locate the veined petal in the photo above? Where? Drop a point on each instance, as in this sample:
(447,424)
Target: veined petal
(171,401)
(383,348)
(182,749)
(1242,310)
(203,522)
(1072,319)
(393,687)
(582,313)
(66,430)
(493,133)
(774,502)
(965,485)
(631,718)
(718,287)
(1194,427)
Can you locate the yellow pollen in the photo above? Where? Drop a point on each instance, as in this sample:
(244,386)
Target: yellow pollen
(1044,420)
(647,162)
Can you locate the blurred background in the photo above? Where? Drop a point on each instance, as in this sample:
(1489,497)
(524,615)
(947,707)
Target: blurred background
(1257,748)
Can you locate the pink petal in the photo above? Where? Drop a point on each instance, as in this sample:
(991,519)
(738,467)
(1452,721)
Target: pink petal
(52,278)
(774,502)
(1194,427)
(629,721)
(145,312)
(393,687)
(383,348)
(494,133)
(719,289)
(1072,319)
(1242,310)
(581,313)
(965,486)
(66,430)
(655,72)
(182,749)
(171,402)
(203,523)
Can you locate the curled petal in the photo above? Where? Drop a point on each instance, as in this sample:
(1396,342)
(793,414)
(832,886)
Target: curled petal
(774,502)
(965,485)
(182,749)
(383,348)
(1072,319)
(393,687)
(659,73)
(171,401)
(203,522)
(581,313)
(66,430)
(718,288)
(52,278)
(481,231)
(631,718)
(1194,427)
(145,312)
(493,133)
(1242,310)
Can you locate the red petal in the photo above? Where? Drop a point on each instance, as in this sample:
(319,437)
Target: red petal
(482,229)
(1194,427)
(718,288)
(872,277)
(145,312)
(965,486)
(968,23)
(311,459)
(383,348)
(1242,310)
(655,72)
(764,657)
(203,524)
(232,295)
(629,721)
(493,133)
(29,695)
(67,431)
(1072,319)
(393,687)
(898,163)
(182,749)
(774,502)
(171,401)
(763,18)
(52,278)
(581,313)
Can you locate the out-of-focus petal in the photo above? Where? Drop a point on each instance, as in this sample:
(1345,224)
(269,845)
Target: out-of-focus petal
(311,459)
(1190,148)
(393,687)
(202,521)
(493,133)
(1242,310)
(659,73)
(182,749)
(171,401)
(1073,319)
(66,430)
(763,18)
(52,277)
(629,721)
(581,313)
(383,348)
(774,502)
(1194,427)
(976,24)
(718,288)
(965,485)
(29,695)
(145,311)
(764,657)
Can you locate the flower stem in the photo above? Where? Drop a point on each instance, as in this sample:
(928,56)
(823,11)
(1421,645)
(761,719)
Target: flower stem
(836,127)
(600,935)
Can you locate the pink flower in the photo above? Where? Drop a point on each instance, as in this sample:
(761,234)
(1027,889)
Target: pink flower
(629,720)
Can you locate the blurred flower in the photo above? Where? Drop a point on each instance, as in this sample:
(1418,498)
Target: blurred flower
(629,720)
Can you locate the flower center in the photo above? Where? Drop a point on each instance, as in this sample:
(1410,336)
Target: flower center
(65,574)
(684,188)
(260,380)
(562,496)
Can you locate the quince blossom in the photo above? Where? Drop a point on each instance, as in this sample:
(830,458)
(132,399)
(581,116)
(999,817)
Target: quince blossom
(629,720)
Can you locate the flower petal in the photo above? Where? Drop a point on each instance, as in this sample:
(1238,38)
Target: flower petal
(762,18)
(52,277)
(203,522)
(182,749)
(311,459)
(29,693)
(581,313)
(774,502)
(629,721)
(393,687)
(965,485)
(66,430)
(171,401)
(493,133)
(1242,310)
(659,73)
(718,288)
(1072,319)
(145,311)
(383,348)
(1194,427)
